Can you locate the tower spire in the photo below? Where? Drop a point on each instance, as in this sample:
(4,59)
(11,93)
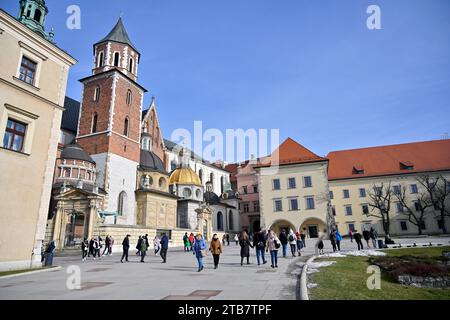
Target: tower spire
(32,14)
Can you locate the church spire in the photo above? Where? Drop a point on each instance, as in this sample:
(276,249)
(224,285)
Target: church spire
(32,14)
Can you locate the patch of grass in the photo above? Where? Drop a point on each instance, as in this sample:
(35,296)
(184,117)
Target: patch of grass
(10,272)
(347,280)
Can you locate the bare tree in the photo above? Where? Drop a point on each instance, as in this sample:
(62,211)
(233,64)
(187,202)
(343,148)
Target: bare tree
(438,190)
(380,202)
(416,213)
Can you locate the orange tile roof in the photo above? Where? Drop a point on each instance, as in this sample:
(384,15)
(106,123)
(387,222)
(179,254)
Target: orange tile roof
(290,152)
(425,156)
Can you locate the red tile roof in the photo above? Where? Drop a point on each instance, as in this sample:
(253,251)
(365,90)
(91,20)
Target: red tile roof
(290,152)
(232,169)
(425,156)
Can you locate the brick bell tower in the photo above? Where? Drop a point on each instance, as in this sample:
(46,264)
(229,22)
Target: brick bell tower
(109,123)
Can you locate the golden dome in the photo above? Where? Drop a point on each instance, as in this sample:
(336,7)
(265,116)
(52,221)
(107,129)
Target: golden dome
(185,176)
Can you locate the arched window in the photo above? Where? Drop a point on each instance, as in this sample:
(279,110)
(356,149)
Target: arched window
(173,165)
(121,203)
(94,123)
(97,94)
(130,65)
(200,175)
(129,95)
(219,221)
(126,127)
(37,15)
(211,179)
(100,59)
(230,220)
(116,59)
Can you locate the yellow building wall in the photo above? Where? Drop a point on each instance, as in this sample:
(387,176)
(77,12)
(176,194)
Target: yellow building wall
(361,220)
(26,178)
(300,218)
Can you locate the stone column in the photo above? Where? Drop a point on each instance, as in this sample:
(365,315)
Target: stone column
(92,217)
(59,225)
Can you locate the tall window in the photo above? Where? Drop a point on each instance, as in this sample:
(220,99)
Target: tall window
(14,135)
(100,59)
(293,204)
(348,210)
(129,95)
(27,70)
(173,165)
(244,189)
(126,127)
(397,189)
(346,193)
(403,226)
(291,183)
(220,221)
(414,188)
(200,175)
(246,207)
(222,184)
(362,192)
(230,220)
(310,203)
(276,184)
(211,179)
(256,206)
(331,195)
(94,123)
(97,94)
(278,205)
(37,15)
(365,209)
(307,182)
(116,59)
(121,203)
(130,65)
(255,188)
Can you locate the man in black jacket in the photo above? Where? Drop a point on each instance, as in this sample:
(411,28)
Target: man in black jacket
(126,247)
(357,237)
(284,241)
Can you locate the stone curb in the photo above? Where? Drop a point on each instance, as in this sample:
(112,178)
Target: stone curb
(304,280)
(29,272)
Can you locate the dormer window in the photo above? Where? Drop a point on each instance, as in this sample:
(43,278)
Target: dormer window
(358,169)
(406,165)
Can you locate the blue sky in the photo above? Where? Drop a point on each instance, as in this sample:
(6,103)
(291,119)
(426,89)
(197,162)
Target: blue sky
(309,68)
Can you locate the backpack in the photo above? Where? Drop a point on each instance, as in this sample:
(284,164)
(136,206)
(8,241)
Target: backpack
(277,244)
(291,238)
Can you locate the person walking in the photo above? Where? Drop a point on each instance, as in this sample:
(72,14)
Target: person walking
(273,244)
(303,237)
(49,252)
(245,244)
(107,243)
(366,236)
(284,241)
(259,243)
(144,247)
(357,237)
(91,247)
(224,239)
(156,244)
(164,247)
(350,234)
(125,248)
(373,236)
(299,243)
(199,250)
(236,239)
(292,242)
(338,239)
(192,240)
(216,249)
(84,249)
(333,240)
(138,246)
(111,244)
(186,242)
(97,248)
(228,239)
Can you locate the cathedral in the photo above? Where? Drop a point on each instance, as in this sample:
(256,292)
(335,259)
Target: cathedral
(115,174)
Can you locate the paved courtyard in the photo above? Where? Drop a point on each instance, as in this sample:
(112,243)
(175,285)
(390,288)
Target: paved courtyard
(107,278)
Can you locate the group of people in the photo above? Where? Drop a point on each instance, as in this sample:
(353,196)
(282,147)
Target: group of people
(143,244)
(368,235)
(94,247)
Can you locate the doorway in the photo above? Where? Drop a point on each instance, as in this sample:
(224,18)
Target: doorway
(313,232)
